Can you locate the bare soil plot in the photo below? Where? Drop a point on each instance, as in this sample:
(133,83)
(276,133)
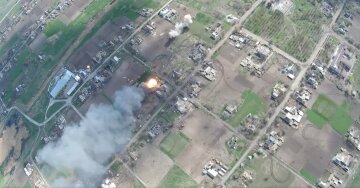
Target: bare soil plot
(123,178)
(71,116)
(267,172)
(38,42)
(155,44)
(232,80)
(97,99)
(108,31)
(310,148)
(208,138)
(126,74)
(152,165)
(73,11)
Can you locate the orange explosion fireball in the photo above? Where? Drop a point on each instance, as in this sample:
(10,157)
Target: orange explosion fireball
(152,83)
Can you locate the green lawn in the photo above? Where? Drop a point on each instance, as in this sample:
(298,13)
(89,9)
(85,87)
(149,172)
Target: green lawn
(355,76)
(251,104)
(27,185)
(197,28)
(296,33)
(2,180)
(325,110)
(176,177)
(54,107)
(116,167)
(169,116)
(308,176)
(174,143)
(315,118)
(53,27)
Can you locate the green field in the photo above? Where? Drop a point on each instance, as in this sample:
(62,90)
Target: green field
(2,180)
(220,8)
(38,109)
(251,104)
(325,110)
(27,185)
(315,118)
(308,176)
(54,107)
(116,167)
(174,143)
(53,27)
(268,173)
(355,76)
(176,177)
(297,33)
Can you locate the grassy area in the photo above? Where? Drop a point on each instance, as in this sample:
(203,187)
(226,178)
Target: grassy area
(326,110)
(197,28)
(238,152)
(355,183)
(27,185)
(126,8)
(355,76)
(53,27)
(251,104)
(296,33)
(116,167)
(138,184)
(38,109)
(176,177)
(54,107)
(308,176)
(268,173)
(169,115)
(315,118)
(2,181)
(217,7)
(174,143)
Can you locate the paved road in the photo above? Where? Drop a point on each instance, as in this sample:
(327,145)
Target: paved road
(295,85)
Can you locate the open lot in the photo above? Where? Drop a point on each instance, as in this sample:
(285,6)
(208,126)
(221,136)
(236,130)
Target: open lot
(251,104)
(296,33)
(267,172)
(152,165)
(326,110)
(122,177)
(309,148)
(126,74)
(177,178)
(233,81)
(348,22)
(219,9)
(173,144)
(208,140)
(74,11)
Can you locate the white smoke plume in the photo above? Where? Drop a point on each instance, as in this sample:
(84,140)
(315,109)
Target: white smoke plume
(85,147)
(179,27)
